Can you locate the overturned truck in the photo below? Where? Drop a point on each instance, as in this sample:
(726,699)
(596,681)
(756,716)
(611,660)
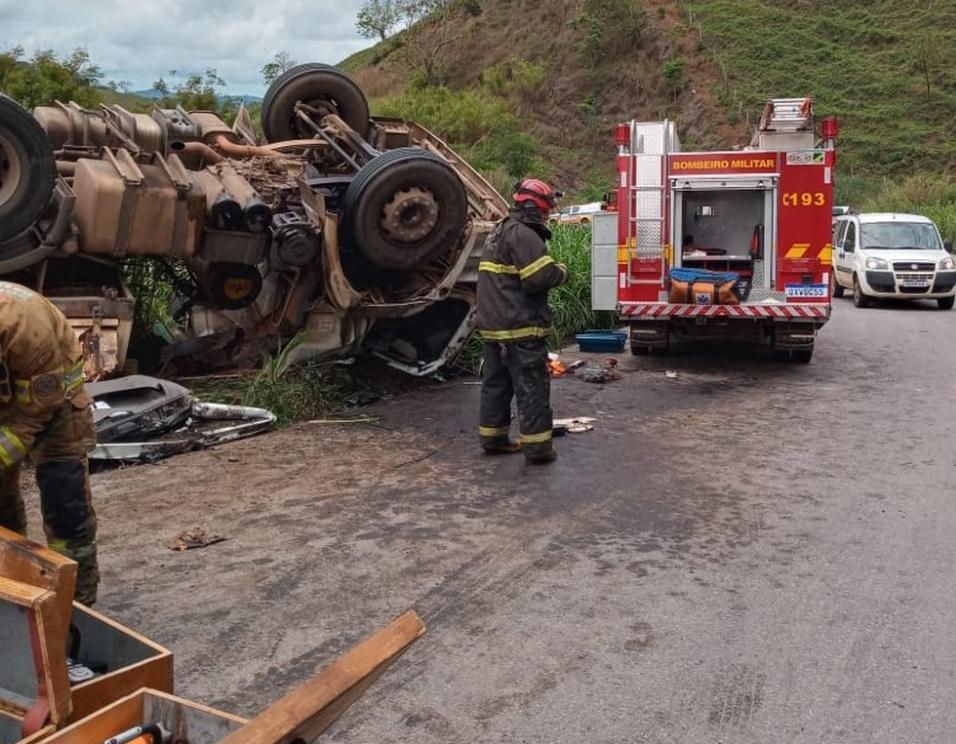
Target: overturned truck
(349,232)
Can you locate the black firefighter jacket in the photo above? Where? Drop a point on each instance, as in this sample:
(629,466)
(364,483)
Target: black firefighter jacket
(514,276)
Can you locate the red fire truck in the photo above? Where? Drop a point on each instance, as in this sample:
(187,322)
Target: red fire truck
(759,217)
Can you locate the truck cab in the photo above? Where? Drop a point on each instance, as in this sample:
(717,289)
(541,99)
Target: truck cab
(892,256)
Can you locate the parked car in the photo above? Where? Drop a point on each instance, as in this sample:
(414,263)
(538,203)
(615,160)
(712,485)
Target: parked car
(578,214)
(892,256)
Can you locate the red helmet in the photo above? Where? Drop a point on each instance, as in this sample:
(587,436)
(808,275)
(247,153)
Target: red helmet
(544,196)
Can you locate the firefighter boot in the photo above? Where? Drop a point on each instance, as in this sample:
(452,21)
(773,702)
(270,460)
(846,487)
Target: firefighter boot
(540,455)
(500,446)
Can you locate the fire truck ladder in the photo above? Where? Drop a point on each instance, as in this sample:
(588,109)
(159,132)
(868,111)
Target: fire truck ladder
(787,115)
(647,197)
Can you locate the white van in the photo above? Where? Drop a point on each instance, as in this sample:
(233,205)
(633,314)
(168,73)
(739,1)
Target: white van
(892,256)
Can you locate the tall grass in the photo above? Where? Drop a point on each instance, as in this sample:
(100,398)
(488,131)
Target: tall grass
(571,302)
(296,392)
(930,195)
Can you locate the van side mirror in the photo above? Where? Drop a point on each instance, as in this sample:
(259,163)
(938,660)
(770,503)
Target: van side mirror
(948,245)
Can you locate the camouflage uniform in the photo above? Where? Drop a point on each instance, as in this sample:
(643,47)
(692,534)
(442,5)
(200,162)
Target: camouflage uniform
(514,276)
(45,413)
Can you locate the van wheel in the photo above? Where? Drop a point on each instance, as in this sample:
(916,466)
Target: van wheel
(837,288)
(945,303)
(859,299)
(27,169)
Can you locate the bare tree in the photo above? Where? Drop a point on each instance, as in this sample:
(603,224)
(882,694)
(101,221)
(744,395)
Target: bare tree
(378,18)
(280,63)
(432,32)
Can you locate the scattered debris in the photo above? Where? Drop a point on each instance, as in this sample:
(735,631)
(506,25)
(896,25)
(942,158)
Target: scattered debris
(145,419)
(197,537)
(578,425)
(671,374)
(356,420)
(605,373)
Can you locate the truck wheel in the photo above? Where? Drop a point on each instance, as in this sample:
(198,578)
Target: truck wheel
(22,251)
(405,208)
(945,303)
(27,169)
(641,350)
(859,299)
(321,86)
(837,287)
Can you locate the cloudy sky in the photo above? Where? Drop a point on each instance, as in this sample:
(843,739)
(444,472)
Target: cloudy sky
(141,40)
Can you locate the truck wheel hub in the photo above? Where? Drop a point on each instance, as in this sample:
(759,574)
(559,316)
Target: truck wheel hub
(410,215)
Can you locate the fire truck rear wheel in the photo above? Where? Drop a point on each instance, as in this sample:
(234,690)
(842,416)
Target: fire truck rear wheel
(27,169)
(321,86)
(404,209)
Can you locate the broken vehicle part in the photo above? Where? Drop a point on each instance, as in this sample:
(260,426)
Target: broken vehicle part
(145,418)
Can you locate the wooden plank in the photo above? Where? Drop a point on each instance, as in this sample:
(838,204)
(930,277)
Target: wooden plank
(23,560)
(310,709)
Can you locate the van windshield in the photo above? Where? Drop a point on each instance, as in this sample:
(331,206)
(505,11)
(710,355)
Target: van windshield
(920,236)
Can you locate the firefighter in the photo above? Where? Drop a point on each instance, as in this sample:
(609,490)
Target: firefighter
(45,413)
(514,276)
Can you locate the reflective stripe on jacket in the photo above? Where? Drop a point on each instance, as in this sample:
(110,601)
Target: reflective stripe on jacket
(514,276)
(42,366)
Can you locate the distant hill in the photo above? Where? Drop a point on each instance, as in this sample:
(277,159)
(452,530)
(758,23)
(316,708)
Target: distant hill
(154,95)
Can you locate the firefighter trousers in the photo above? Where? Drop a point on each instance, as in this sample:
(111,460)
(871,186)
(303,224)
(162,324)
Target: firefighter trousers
(62,476)
(519,370)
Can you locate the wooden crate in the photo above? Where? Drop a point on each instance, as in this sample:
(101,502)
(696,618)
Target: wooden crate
(301,716)
(131,660)
(34,689)
(188,721)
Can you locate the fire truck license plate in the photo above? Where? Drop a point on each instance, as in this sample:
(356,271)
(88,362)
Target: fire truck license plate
(798,291)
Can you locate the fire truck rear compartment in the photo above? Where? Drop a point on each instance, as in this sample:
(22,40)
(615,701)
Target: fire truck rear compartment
(723,230)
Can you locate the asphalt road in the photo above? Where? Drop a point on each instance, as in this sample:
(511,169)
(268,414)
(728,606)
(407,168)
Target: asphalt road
(749,552)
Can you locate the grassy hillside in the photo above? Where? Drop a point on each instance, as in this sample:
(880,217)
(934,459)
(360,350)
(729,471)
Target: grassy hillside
(886,68)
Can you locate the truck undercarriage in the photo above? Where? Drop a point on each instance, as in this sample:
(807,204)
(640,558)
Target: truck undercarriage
(346,232)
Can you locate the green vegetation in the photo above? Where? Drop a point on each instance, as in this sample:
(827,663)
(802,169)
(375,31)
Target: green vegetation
(296,392)
(42,78)
(571,302)
(926,194)
(474,121)
(884,67)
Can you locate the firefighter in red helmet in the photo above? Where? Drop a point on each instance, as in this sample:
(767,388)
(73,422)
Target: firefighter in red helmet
(514,276)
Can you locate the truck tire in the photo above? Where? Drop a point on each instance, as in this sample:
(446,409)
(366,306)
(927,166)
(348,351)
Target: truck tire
(27,169)
(322,86)
(404,209)
(945,303)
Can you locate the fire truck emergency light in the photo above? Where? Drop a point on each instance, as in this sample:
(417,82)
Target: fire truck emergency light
(830,127)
